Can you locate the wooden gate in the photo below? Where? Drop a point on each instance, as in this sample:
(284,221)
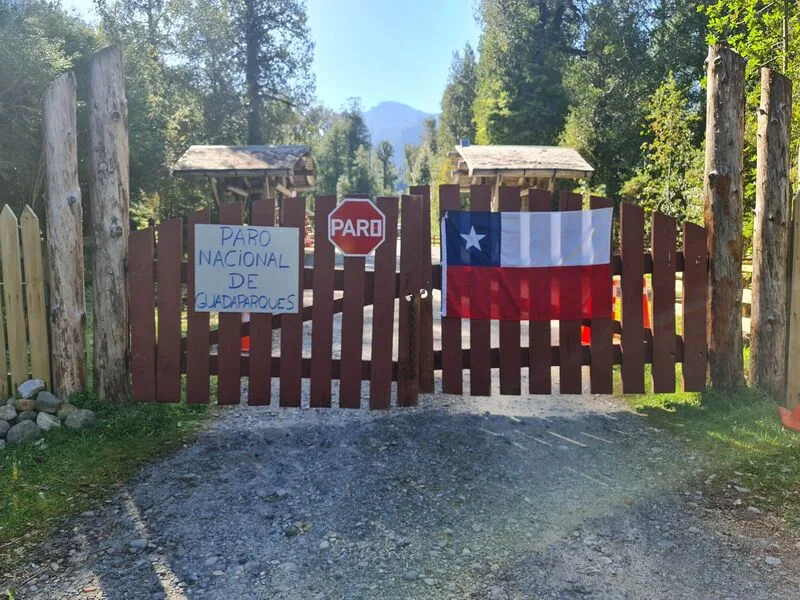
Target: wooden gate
(626,342)
(175,349)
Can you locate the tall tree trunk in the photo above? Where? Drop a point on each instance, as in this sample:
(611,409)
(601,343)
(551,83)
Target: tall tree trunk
(64,238)
(771,235)
(109,204)
(252,36)
(723,213)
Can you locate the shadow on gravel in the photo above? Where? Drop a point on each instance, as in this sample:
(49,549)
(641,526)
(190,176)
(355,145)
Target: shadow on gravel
(426,503)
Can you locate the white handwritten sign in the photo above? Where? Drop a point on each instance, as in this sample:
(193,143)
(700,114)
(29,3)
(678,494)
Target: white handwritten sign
(246,269)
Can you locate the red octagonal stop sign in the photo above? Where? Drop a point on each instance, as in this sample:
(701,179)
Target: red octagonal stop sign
(356,227)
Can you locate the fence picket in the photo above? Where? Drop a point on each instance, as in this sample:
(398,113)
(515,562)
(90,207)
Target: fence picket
(426,303)
(34,296)
(569,332)
(694,299)
(602,337)
(539,336)
(143,315)
(293,214)
(198,339)
(510,355)
(480,367)
(663,235)
(352,332)
(229,340)
(380,387)
(410,282)
(632,254)
(12,293)
(169,246)
(322,310)
(259,384)
(452,379)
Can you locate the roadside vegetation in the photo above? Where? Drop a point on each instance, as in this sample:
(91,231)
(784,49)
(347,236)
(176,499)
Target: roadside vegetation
(67,472)
(742,434)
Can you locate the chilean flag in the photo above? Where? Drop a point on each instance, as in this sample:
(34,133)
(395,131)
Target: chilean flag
(516,266)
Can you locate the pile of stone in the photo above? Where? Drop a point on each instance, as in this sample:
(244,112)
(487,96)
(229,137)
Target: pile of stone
(35,410)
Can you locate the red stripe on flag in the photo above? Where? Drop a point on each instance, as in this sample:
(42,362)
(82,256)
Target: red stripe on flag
(533,293)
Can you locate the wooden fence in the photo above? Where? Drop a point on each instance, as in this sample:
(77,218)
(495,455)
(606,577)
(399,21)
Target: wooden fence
(161,280)
(23,322)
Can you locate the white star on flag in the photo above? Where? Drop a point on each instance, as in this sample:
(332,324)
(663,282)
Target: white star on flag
(472,239)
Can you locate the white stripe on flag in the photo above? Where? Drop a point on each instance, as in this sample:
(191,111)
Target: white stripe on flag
(556,239)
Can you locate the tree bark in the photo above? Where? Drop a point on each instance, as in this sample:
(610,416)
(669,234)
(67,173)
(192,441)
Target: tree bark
(767,367)
(723,213)
(64,238)
(109,203)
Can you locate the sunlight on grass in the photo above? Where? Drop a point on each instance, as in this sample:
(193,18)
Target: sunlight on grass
(742,433)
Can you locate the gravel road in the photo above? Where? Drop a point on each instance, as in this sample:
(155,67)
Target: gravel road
(462,498)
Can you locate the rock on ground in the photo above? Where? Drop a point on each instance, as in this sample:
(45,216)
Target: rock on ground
(30,388)
(23,432)
(4,427)
(80,418)
(66,410)
(47,402)
(46,421)
(512,499)
(8,413)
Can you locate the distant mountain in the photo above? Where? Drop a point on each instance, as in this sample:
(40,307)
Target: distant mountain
(398,123)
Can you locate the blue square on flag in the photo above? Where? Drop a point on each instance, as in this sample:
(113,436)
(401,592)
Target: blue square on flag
(473,238)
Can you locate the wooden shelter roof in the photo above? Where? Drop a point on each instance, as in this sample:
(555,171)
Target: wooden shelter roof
(540,162)
(291,162)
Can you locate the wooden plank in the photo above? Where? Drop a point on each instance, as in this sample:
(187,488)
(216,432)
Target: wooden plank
(695,297)
(352,331)
(34,296)
(767,368)
(380,387)
(169,246)
(510,365)
(724,192)
(293,214)
(12,295)
(259,384)
(229,381)
(143,315)
(569,332)
(322,309)
(410,281)
(480,341)
(452,380)
(426,303)
(109,199)
(632,252)
(64,217)
(602,336)
(540,363)
(197,323)
(663,235)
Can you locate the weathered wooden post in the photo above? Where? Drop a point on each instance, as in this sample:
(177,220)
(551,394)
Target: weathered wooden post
(723,213)
(108,200)
(767,367)
(64,238)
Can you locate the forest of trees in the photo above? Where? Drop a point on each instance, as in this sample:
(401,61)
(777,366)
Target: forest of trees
(620,80)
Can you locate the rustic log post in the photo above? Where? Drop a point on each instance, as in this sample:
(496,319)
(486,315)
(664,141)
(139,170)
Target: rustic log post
(64,238)
(723,192)
(108,201)
(767,367)
(793,309)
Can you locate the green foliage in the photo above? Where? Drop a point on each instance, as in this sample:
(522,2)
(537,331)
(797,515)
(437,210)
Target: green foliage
(388,173)
(456,120)
(424,157)
(671,178)
(524,46)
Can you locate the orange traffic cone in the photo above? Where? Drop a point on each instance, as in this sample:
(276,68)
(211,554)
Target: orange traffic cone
(790,418)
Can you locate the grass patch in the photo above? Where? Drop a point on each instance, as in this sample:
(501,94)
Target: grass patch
(68,471)
(742,434)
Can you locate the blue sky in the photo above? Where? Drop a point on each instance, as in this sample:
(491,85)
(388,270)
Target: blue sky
(382,49)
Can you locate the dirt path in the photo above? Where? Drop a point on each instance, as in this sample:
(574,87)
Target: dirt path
(499,498)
